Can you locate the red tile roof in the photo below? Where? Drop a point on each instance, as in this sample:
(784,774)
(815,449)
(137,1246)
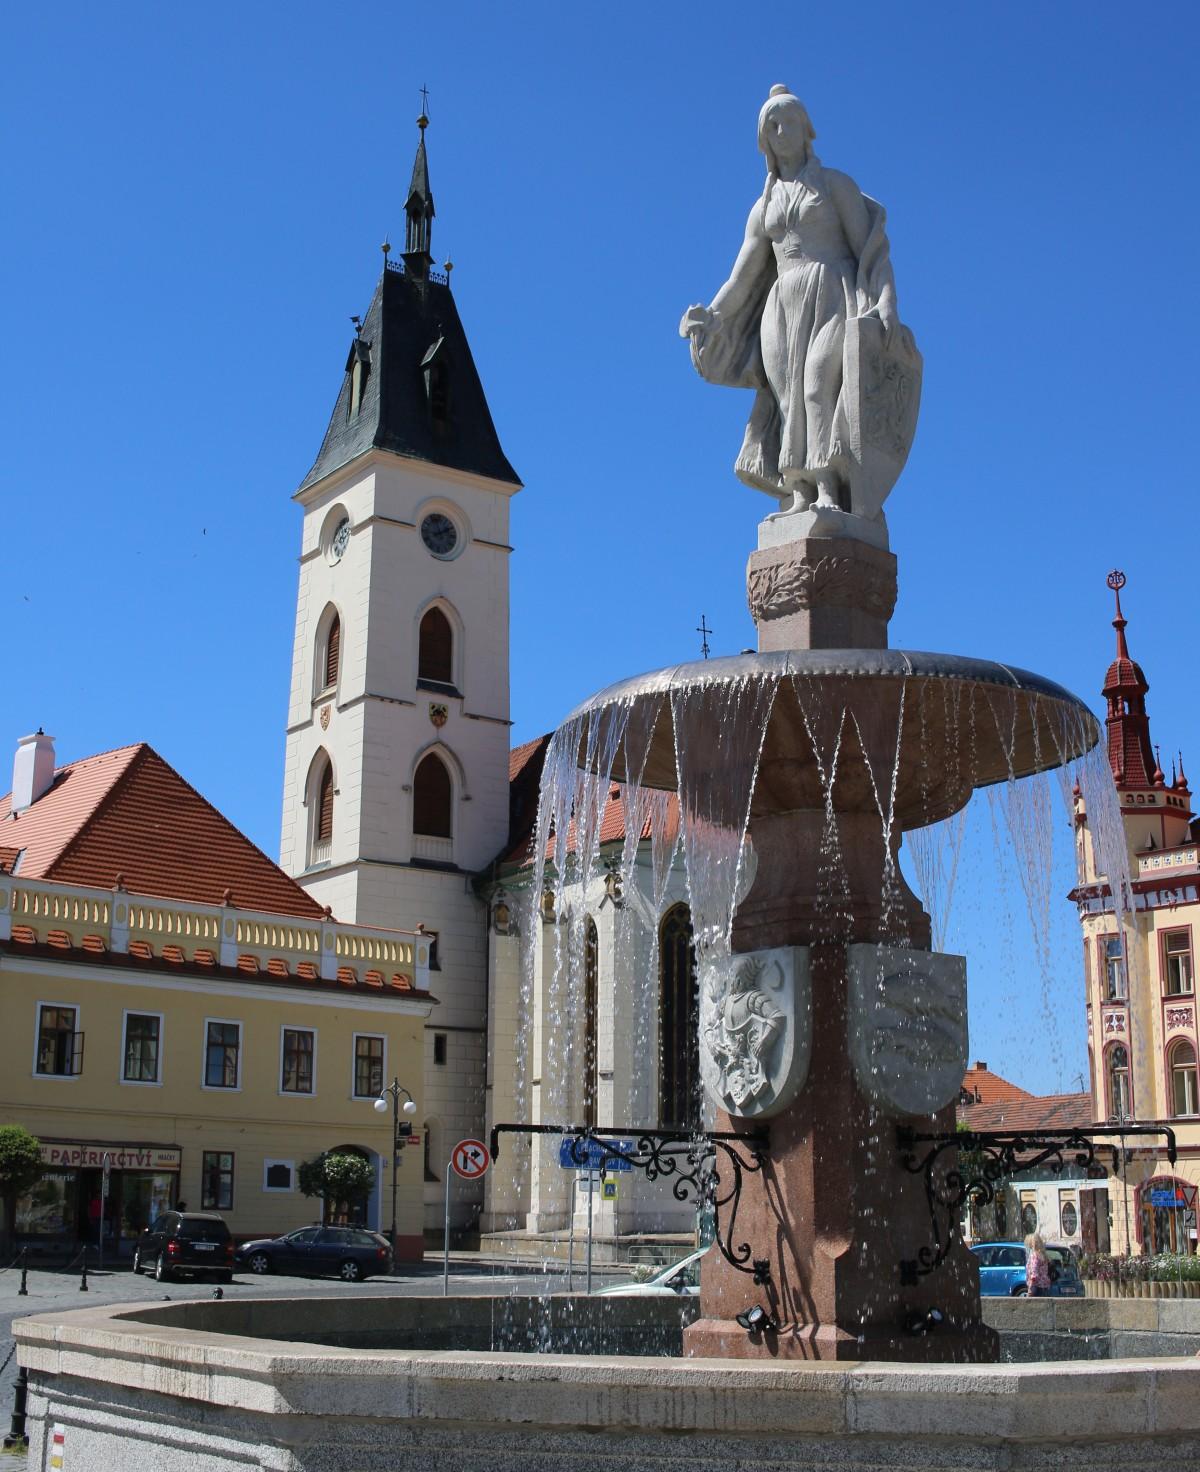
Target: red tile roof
(129,813)
(989,1102)
(8,858)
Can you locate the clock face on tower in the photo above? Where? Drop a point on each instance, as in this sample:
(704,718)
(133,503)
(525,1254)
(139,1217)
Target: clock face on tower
(341,539)
(439,534)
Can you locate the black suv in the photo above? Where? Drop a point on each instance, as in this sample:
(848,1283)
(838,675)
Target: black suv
(195,1242)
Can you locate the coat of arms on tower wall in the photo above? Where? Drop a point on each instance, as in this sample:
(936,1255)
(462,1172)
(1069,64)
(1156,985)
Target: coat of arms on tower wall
(756,1029)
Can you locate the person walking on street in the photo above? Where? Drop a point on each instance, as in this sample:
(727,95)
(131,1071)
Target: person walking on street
(1037,1267)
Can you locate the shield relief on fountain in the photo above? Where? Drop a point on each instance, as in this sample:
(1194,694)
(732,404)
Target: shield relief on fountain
(907,1024)
(756,1029)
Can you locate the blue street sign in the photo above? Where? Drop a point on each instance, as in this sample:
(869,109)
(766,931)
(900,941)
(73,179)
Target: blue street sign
(1165,1198)
(592,1153)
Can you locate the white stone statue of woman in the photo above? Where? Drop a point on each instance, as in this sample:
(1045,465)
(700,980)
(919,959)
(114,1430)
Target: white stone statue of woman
(808,320)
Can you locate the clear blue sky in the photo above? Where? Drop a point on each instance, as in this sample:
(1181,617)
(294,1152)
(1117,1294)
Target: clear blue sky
(195,198)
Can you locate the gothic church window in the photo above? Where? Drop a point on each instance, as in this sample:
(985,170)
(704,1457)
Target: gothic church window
(679,1043)
(432,798)
(328,651)
(320,804)
(435,651)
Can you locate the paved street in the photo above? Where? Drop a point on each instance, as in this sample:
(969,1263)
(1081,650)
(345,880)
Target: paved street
(50,1291)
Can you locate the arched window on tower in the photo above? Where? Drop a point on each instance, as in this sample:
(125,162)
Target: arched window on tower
(591,994)
(1120,1101)
(320,801)
(678,1023)
(433,810)
(435,650)
(1184,1100)
(327,653)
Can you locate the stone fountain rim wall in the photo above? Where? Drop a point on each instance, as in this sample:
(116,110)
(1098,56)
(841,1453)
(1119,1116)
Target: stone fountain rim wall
(108,1358)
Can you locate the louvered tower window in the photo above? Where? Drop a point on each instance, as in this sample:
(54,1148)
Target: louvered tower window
(435,657)
(333,652)
(432,793)
(325,807)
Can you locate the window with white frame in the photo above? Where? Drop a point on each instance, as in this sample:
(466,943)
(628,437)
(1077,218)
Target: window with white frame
(1119,1096)
(368,1066)
(222,1055)
(1177,963)
(299,1050)
(1114,969)
(59,1051)
(141,1053)
(1184,1099)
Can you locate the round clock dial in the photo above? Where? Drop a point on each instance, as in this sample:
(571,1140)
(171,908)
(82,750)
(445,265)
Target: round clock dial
(439,534)
(341,539)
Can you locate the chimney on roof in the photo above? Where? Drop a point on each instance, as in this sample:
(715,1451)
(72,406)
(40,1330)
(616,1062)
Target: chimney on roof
(33,769)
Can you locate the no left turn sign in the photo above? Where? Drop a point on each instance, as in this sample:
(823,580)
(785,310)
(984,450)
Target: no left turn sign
(470,1159)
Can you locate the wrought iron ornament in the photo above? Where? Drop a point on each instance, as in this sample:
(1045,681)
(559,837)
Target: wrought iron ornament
(1000,1154)
(666,1153)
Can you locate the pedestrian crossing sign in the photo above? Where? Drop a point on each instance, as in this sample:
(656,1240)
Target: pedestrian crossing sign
(608,1191)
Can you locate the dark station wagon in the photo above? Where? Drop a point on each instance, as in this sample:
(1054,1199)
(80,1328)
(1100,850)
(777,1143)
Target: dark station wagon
(352,1253)
(186,1242)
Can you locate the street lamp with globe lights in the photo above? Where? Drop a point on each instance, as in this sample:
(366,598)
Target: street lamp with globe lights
(400,1132)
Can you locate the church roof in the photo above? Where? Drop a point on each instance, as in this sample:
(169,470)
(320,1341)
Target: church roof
(128,813)
(419,393)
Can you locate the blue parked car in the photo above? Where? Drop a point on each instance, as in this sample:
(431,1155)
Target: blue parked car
(350,1252)
(1002,1270)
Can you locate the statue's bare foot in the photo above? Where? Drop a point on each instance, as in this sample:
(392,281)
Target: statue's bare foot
(827,493)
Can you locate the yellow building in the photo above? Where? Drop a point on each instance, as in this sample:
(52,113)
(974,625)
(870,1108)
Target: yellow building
(181,1021)
(1139,968)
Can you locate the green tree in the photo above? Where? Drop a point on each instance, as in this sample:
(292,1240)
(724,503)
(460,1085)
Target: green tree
(20,1168)
(340,1179)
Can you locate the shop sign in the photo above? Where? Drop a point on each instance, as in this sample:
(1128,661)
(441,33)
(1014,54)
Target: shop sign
(120,1157)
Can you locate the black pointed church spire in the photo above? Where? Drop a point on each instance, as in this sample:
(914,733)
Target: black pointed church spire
(410,384)
(418,207)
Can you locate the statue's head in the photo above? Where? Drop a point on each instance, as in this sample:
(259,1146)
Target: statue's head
(784,127)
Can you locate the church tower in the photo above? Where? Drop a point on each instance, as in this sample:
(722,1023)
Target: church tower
(396,775)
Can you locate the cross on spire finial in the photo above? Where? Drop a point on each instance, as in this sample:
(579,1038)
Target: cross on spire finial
(423,120)
(703,630)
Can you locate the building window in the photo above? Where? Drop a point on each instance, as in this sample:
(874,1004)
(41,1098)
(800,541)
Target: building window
(1177,963)
(591,988)
(432,795)
(216,1181)
(678,1034)
(278,1175)
(142,1033)
(328,651)
(435,649)
(1068,1215)
(439,1049)
(320,801)
(222,1055)
(1114,969)
(59,1043)
(299,1050)
(1029,1212)
(1119,1099)
(368,1066)
(1183,1079)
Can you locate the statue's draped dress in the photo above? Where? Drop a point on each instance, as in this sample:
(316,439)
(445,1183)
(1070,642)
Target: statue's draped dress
(804,322)
(786,339)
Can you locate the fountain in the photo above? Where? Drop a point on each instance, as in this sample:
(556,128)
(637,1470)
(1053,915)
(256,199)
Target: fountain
(824,1014)
(832,1036)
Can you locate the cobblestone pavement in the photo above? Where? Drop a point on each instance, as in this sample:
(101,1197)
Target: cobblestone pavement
(48,1291)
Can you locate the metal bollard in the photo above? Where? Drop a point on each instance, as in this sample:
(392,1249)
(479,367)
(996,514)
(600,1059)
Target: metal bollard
(83,1282)
(218,1292)
(23,1290)
(16,1431)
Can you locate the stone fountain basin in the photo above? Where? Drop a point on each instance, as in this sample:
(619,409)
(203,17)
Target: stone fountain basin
(203,1386)
(951,723)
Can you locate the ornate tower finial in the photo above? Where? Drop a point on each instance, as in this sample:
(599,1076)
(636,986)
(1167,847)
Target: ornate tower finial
(1116,581)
